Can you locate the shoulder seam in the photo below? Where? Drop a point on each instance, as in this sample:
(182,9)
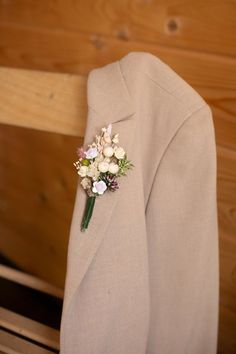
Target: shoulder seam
(179,128)
(169,92)
(183,123)
(169,143)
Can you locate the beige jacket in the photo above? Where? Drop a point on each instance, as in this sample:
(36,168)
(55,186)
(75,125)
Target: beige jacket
(143,279)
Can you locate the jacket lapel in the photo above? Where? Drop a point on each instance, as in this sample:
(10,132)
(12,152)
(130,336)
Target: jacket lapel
(108,102)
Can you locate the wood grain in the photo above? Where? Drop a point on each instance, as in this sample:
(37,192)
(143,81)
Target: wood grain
(226,181)
(30,281)
(58,97)
(55,102)
(37,188)
(207,26)
(12,344)
(28,328)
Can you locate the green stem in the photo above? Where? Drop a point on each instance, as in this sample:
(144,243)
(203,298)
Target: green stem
(88,212)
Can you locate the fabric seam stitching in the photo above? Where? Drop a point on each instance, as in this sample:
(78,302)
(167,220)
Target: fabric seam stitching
(167,147)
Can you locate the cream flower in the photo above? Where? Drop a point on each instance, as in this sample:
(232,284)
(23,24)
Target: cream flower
(119,153)
(93,170)
(113,168)
(99,158)
(115,139)
(86,183)
(96,175)
(103,166)
(83,171)
(108,151)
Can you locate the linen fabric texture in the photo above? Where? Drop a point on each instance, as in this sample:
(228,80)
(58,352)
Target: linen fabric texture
(144,277)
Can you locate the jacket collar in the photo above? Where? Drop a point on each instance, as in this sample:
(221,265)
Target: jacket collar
(108,102)
(108,94)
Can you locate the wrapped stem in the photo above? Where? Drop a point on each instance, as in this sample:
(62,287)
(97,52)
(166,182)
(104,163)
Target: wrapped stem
(88,212)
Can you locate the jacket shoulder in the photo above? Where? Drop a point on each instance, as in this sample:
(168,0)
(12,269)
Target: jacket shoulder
(164,77)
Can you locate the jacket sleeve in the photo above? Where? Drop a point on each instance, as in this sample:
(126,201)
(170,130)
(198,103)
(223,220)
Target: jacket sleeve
(182,237)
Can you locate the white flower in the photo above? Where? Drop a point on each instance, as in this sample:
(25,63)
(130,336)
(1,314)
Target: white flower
(119,153)
(103,166)
(86,183)
(91,153)
(113,168)
(108,151)
(99,187)
(83,171)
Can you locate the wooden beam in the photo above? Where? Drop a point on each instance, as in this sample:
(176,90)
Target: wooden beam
(28,328)
(43,101)
(25,327)
(11,344)
(30,281)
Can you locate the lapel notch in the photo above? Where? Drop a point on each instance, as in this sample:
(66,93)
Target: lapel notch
(108,94)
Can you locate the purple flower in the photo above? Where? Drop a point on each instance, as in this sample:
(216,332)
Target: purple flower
(99,187)
(81,153)
(91,153)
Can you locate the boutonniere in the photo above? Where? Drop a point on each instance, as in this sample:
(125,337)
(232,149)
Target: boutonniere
(99,167)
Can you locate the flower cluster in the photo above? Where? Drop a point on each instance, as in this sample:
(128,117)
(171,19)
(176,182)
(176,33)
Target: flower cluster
(102,163)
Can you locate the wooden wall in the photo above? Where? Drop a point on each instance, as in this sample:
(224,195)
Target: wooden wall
(37,179)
